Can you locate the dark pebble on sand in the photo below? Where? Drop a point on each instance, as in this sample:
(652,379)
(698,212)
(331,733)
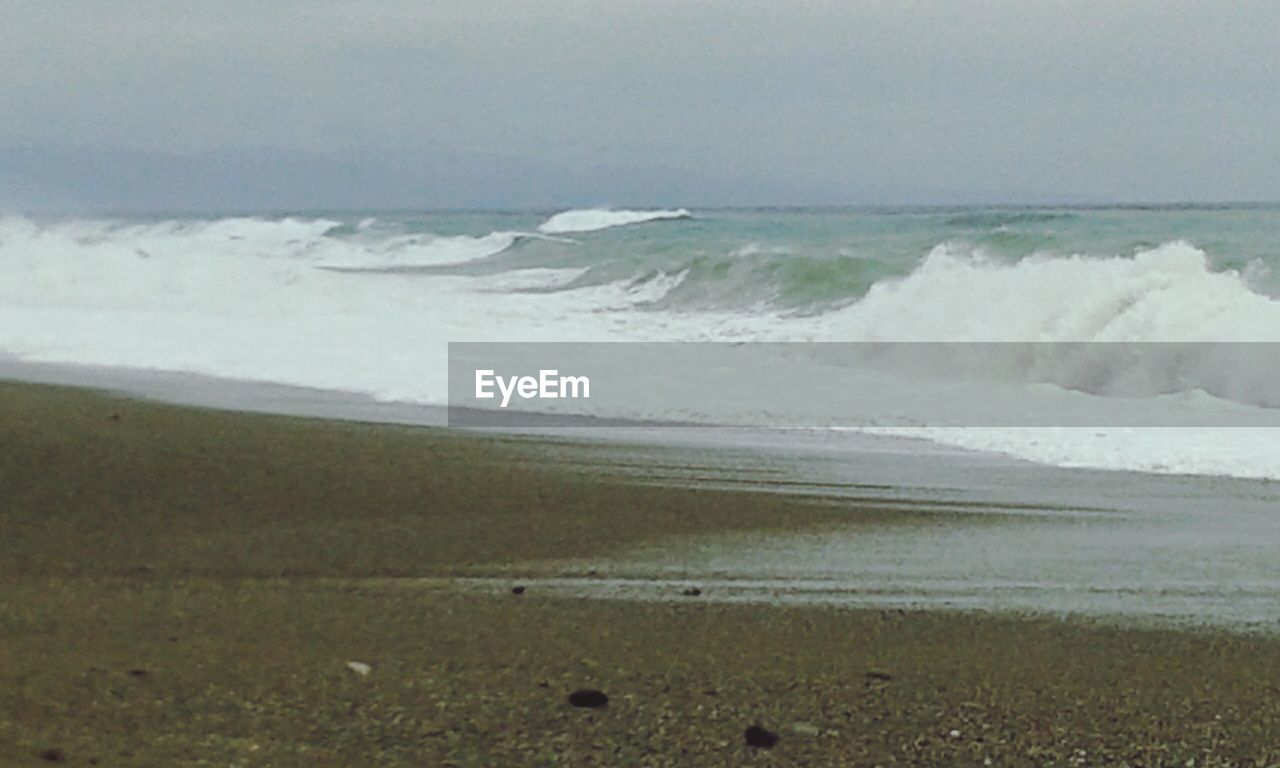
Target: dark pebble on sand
(761,738)
(588,698)
(53,756)
(517,590)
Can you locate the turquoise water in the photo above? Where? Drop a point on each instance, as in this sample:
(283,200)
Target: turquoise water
(814,260)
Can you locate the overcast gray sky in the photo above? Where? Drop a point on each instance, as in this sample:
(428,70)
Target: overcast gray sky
(1021,99)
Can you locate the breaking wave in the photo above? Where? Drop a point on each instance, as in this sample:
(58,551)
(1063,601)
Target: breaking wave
(1167,293)
(595,219)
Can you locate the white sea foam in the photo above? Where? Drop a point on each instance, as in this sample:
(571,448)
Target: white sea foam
(249,299)
(1165,294)
(595,219)
(1242,452)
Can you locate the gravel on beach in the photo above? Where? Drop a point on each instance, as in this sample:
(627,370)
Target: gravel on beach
(185,587)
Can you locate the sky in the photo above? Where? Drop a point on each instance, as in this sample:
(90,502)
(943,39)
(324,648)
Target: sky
(543,102)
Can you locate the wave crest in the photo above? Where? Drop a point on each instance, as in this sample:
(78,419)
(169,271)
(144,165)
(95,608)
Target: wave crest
(424,251)
(596,219)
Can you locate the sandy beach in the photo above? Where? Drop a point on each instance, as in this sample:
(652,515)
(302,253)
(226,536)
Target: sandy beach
(490,385)
(184,587)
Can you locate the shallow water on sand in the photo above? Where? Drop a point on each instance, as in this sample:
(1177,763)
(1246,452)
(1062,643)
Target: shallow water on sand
(977,530)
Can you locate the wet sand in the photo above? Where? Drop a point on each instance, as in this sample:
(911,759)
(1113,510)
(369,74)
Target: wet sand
(184,586)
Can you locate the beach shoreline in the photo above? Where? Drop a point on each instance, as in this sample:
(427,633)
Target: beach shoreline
(186,585)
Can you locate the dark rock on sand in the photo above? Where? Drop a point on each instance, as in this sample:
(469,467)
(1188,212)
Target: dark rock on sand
(759,737)
(588,698)
(518,589)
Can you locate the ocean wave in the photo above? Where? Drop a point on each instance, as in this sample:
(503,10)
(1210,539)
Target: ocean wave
(1167,293)
(781,281)
(244,298)
(416,251)
(595,219)
(328,244)
(747,277)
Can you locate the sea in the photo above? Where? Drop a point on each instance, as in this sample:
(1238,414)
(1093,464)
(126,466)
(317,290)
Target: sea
(366,304)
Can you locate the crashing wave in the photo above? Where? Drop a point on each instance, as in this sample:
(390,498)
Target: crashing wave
(595,219)
(1156,323)
(1166,293)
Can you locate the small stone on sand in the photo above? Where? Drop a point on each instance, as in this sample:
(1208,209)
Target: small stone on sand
(359,667)
(759,737)
(588,698)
